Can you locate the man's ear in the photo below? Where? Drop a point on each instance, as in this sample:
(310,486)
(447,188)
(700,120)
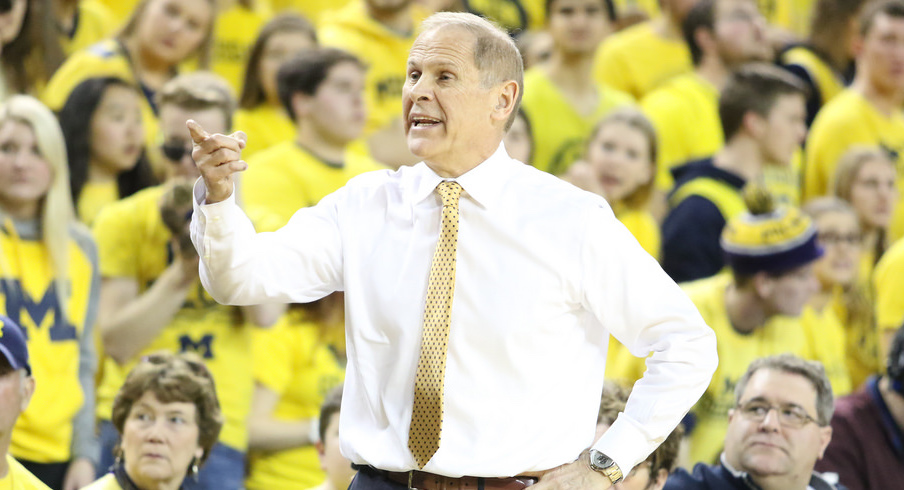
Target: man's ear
(762,284)
(506,96)
(754,125)
(301,104)
(825,436)
(321,452)
(28,389)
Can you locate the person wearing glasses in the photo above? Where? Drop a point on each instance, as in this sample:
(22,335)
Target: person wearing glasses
(843,307)
(755,308)
(151,298)
(777,430)
(169,418)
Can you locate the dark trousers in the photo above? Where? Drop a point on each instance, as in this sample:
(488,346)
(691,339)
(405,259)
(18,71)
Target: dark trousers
(366,479)
(52,474)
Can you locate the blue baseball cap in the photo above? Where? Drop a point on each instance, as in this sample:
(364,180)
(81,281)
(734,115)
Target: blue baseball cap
(13,345)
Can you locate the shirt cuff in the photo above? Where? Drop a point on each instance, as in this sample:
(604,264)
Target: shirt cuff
(200,192)
(626,443)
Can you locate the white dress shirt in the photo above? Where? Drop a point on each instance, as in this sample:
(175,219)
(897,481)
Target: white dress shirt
(544,274)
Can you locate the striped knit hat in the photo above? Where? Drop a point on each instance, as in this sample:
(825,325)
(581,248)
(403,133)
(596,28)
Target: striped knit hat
(768,239)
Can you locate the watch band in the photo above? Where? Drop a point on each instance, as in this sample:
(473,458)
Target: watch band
(614,473)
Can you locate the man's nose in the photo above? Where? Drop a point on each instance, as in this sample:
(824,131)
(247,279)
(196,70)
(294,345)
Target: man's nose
(421,89)
(771,420)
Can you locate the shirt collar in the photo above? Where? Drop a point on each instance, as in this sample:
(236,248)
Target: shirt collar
(481,183)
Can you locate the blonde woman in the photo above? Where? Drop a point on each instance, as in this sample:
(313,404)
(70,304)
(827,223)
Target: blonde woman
(49,285)
(865,177)
(620,165)
(842,299)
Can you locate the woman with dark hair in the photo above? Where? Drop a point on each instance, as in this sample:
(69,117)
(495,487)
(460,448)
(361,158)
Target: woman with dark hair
(261,115)
(169,418)
(102,125)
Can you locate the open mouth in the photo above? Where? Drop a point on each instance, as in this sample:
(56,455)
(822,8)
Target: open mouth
(423,122)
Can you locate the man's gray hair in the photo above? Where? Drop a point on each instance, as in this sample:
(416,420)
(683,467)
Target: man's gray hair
(791,364)
(495,54)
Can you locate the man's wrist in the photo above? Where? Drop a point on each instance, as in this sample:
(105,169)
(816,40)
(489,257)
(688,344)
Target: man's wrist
(605,465)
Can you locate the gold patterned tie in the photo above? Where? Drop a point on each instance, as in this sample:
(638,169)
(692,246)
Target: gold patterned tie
(427,413)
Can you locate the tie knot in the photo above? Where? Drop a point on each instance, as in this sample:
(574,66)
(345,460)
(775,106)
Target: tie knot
(450,191)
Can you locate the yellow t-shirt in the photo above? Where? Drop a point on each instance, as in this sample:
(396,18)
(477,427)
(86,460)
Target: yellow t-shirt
(622,366)
(107,482)
(861,338)
(384,51)
(736,352)
(265,126)
(850,120)
(18,478)
(293,360)
(559,132)
(234,32)
(643,226)
(297,178)
(784,180)
(649,7)
(824,77)
(134,243)
(105,58)
(889,282)
(121,10)
(827,339)
(28,296)
(791,15)
(685,113)
(637,60)
(95,23)
(94,197)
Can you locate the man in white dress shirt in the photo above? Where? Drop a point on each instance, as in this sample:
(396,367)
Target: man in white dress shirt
(542,274)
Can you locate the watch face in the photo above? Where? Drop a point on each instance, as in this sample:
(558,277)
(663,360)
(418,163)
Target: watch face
(600,460)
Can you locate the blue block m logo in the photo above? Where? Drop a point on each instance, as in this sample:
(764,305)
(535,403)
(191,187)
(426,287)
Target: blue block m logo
(19,301)
(203,347)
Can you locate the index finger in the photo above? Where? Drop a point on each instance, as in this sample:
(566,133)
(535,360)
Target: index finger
(198,134)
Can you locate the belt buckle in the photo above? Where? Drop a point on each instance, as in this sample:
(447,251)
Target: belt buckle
(410,479)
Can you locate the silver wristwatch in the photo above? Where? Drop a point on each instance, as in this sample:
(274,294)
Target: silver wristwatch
(605,465)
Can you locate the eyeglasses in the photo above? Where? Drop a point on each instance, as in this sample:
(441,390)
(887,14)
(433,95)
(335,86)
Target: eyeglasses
(830,238)
(175,150)
(788,415)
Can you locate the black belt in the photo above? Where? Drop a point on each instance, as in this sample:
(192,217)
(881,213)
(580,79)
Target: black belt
(421,480)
